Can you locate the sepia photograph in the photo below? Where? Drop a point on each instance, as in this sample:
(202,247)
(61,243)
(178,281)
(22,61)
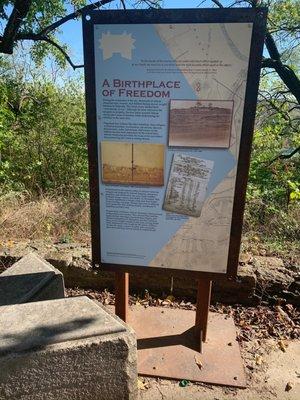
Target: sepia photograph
(132,163)
(205,123)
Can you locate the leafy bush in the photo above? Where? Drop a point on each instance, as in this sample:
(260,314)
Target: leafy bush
(43,154)
(273,206)
(42,136)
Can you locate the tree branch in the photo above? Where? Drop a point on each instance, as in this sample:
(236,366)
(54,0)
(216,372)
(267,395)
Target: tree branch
(65,54)
(272,48)
(218,3)
(36,37)
(288,76)
(285,156)
(278,110)
(73,15)
(269,63)
(19,12)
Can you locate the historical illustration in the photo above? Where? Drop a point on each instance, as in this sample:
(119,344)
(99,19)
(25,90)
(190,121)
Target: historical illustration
(187,185)
(132,163)
(199,123)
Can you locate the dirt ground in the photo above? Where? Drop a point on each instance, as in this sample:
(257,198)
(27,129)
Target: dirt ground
(269,345)
(268,335)
(271,373)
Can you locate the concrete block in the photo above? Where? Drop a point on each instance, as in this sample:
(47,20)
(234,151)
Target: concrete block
(65,349)
(30,279)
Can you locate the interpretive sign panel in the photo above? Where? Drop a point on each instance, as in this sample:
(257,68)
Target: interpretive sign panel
(171,98)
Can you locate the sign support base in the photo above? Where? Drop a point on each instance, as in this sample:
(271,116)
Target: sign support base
(169,340)
(168,347)
(202,308)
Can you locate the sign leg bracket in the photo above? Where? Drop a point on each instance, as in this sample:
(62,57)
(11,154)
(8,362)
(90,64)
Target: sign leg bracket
(122,295)
(202,310)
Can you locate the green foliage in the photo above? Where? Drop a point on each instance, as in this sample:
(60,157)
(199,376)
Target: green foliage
(273,192)
(295,190)
(41,14)
(42,125)
(42,136)
(269,180)
(284,19)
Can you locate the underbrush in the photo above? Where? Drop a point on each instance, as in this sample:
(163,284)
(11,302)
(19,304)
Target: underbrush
(48,217)
(44,167)
(66,219)
(271,230)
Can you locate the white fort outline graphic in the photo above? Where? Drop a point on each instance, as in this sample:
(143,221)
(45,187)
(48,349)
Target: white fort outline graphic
(117,44)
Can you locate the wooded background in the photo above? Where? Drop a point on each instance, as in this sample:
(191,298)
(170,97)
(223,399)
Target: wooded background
(43,155)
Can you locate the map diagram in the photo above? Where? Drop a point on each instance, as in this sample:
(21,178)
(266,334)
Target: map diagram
(214,60)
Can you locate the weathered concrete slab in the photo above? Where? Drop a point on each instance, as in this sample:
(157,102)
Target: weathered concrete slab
(30,279)
(30,326)
(65,349)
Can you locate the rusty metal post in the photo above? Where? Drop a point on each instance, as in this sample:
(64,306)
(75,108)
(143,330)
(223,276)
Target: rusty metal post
(202,309)
(122,295)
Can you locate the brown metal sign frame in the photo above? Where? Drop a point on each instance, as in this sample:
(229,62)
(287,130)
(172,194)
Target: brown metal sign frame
(256,16)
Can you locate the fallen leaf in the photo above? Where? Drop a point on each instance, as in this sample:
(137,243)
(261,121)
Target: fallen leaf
(288,386)
(170,298)
(282,345)
(142,385)
(198,362)
(258,359)
(284,315)
(245,258)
